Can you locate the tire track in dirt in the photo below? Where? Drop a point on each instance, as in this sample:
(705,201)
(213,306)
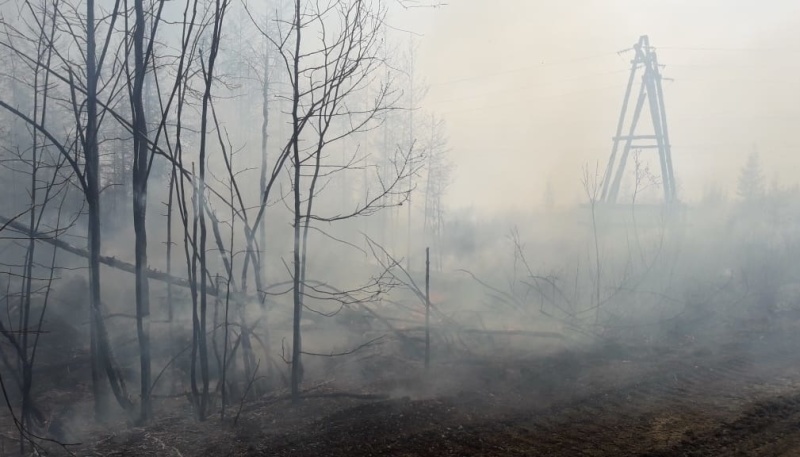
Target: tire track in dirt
(770,427)
(741,399)
(666,412)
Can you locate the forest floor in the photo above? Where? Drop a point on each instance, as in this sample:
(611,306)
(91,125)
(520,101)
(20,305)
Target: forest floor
(738,398)
(735,398)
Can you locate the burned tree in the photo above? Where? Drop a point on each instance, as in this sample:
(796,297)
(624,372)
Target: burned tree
(81,152)
(330,52)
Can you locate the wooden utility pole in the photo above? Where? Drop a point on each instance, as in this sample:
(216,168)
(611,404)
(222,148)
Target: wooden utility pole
(650,91)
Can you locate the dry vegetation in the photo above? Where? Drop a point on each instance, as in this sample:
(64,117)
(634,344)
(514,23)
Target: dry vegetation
(223,232)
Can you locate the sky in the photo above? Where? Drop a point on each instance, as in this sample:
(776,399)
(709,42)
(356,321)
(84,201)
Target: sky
(531,90)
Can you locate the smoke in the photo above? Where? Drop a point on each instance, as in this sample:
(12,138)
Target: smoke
(530,93)
(536,92)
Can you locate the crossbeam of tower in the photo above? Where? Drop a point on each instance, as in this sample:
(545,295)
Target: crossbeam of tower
(650,95)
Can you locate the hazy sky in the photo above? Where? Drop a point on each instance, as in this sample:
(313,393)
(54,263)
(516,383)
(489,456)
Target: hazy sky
(531,90)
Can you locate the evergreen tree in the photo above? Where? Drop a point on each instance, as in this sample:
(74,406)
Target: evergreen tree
(751,179)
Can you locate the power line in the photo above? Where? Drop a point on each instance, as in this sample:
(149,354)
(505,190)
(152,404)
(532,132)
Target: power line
(691,80)
(605,54)
(738,81)
(732,65)
(525,86)
(681,48)
(521,69)
(545,64)
(529,99)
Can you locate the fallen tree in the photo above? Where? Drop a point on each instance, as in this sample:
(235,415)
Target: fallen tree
(112,262)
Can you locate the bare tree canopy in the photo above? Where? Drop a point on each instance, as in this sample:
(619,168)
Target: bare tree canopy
(397,227)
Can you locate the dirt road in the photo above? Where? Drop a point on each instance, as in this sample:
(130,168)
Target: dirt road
(734,399)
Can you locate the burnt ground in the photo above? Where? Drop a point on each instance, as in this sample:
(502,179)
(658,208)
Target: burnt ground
(732,394)
(738,398)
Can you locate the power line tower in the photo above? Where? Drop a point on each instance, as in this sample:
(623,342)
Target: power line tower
(645,63)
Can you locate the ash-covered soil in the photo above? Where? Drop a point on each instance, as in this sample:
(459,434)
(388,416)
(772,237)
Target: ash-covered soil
(729,399)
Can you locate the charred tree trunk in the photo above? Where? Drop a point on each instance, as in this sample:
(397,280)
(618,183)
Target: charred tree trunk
(140,177)
(264,144)
(93,203)
(427,307)
(297,367)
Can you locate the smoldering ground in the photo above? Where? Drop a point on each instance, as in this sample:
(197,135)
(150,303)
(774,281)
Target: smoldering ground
(285,200)
(517,316)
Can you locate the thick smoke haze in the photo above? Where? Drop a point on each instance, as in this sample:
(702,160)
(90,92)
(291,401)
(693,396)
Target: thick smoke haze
(532,90)
(383,227)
